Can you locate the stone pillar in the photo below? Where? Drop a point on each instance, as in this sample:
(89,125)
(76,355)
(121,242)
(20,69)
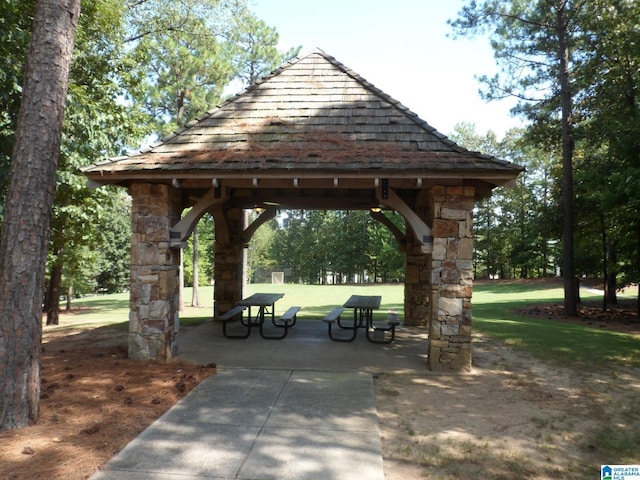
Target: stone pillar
(451,278)
(229,259)
(154,272)
(417,271)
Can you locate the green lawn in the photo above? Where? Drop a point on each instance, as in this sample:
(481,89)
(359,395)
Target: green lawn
(494,304)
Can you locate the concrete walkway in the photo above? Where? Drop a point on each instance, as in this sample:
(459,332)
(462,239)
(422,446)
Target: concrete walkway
(299,408)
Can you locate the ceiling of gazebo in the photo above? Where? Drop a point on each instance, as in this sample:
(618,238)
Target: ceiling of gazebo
(312,129)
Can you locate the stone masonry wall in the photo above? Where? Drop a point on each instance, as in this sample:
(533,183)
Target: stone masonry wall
(417,272)
(154,272)
(452,278)
(228,263)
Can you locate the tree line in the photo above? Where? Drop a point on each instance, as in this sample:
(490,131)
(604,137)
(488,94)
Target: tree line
(141,69)
(574,67)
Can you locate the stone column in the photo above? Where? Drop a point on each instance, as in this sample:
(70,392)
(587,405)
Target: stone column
(451,278)
(229,259)
(417,271)
(154,272)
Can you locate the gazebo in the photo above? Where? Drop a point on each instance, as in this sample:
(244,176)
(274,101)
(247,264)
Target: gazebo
(311,135)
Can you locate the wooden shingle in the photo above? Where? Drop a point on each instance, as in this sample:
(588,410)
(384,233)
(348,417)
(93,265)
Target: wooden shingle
(312,114)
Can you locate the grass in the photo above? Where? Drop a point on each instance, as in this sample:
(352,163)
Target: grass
(494,304)
(562,342)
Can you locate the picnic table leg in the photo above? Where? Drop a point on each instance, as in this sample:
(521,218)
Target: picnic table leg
(373,328)
(347,339)
(285,326)
(384,340)
(355,321)
(237,337)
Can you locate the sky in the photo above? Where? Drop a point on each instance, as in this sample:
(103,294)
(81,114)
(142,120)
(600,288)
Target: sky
(403,47)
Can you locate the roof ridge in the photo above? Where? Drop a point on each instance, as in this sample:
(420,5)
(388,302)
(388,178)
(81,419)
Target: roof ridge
(393,101)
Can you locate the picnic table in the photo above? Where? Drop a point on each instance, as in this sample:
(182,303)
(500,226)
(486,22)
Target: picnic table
(363,307)
(265,302)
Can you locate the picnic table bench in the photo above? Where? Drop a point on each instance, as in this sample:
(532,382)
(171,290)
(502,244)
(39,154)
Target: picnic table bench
(232,315)
(332,317)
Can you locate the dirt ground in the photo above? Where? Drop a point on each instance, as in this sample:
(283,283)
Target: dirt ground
(511,417)
(93,402)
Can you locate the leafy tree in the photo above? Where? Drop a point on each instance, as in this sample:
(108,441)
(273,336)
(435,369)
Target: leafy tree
(113,263)
(516,228)
(189,51)
(533,43)
(186,74)
(95,124)
(16,20)
(609,79)
(384,258)
(336,246)
(253,48)
(260,247)
(24,240)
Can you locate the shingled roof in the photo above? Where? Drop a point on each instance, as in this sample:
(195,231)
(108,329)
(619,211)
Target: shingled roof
(312,116)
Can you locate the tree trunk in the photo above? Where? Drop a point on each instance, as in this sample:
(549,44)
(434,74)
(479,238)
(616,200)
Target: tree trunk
(612,275)
(25,233)
(69,297)
(568,270)
(195,297)
(53,296)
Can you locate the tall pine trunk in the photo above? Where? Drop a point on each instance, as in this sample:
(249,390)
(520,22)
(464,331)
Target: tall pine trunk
(568,270)
(53,295)
(25,233)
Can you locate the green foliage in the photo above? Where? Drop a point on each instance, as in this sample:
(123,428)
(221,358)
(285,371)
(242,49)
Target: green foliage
(253,50)
(114,226)
(608,82)
(206,242)
(187,72)
(259,250)
(604,46)
(183,55)
(16,20)
(515,229)
(336,247)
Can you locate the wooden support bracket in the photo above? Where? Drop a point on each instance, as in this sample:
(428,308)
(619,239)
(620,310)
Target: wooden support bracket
(183,229)
(268,214)
(421,230)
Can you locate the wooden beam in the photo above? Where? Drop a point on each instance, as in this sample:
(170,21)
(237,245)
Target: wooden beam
(265,216)
(421,230)
(181,231)
(222,227)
